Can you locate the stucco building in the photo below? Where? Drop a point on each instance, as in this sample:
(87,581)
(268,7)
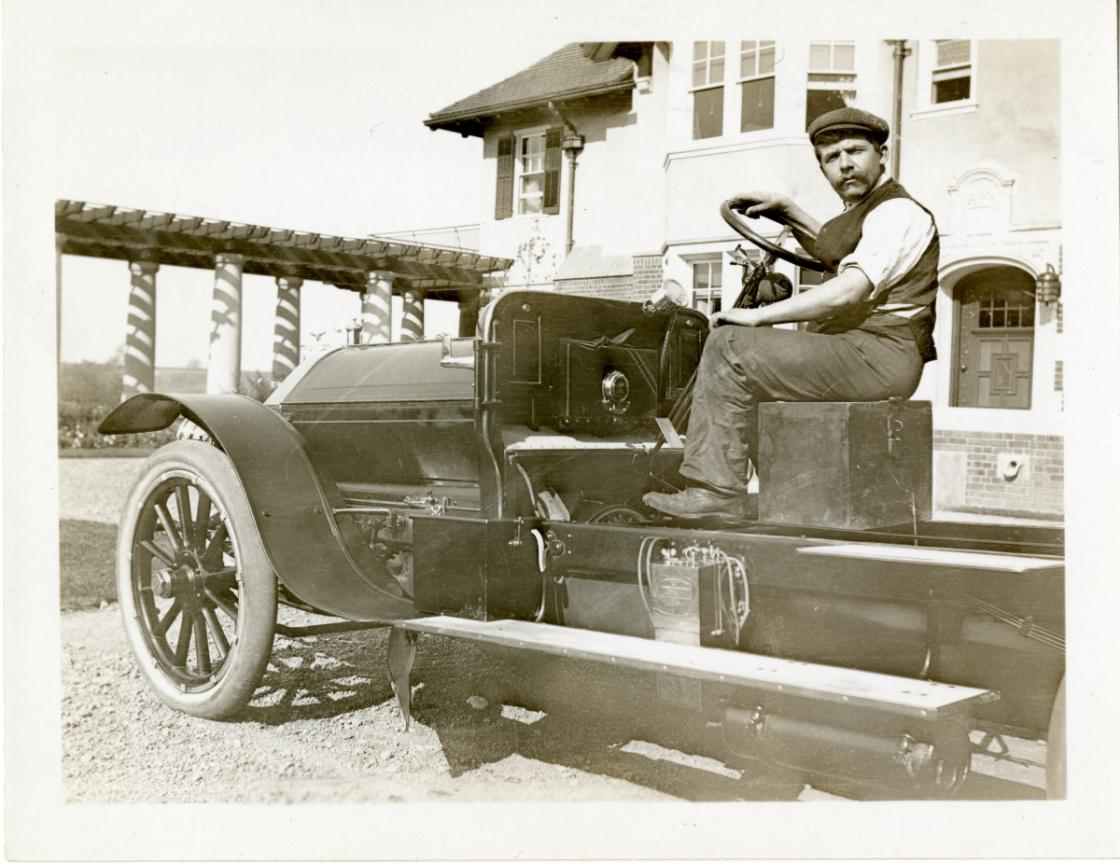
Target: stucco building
(608,162)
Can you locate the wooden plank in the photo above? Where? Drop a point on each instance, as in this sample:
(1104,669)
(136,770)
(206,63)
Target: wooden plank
(939,557)
(170,234)
(127,217)
(211,229)
(96,214)
(156,221)
(884,692)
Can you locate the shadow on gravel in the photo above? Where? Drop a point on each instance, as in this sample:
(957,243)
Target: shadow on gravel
(597,723)
(592,719)
(608,722)
(609,752)
(321,677)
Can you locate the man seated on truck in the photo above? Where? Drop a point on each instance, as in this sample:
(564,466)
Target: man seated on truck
(870,327)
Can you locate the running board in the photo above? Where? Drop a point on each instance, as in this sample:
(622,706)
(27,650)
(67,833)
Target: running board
(988,561)
(901,696)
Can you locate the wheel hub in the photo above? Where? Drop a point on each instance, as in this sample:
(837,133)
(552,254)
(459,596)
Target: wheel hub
(186,582)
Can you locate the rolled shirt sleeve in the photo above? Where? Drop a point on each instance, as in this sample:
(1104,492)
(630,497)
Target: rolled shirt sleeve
(895,234)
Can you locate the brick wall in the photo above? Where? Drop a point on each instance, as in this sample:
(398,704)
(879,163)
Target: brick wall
(647,273)
(646,277)
(614,287)
(1036,491)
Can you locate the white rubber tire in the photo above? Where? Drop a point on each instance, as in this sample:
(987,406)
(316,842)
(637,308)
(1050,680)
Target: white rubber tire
(240,672)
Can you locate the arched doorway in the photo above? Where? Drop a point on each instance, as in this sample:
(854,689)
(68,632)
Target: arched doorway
(994,351)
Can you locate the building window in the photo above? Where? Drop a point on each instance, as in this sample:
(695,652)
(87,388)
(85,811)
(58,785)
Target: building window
(707,285)
(832,78)
(995,339)
(952,71)
(756,84)
(708,60)
(529,166)
(807,280)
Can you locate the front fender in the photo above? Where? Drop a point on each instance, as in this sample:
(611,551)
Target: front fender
(293,505)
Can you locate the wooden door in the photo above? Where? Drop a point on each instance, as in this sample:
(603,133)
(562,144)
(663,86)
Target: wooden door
(995,339)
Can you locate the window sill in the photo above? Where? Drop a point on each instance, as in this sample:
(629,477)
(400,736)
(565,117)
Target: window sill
(527,217)
(728,144)
(948,109)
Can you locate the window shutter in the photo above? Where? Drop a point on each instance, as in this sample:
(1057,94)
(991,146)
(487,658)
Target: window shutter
(503,200)
(552,170)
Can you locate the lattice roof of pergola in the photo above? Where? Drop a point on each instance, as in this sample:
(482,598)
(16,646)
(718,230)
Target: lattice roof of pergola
(108,231)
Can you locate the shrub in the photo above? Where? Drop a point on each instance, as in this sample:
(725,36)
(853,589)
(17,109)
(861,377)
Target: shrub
(88,391)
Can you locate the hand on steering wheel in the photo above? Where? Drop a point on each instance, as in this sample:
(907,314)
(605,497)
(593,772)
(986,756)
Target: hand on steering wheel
(754,204)
(772,206)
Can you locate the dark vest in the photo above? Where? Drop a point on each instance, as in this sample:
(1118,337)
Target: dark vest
(839,237)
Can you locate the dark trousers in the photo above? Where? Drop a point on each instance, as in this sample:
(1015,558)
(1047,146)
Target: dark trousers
(743,366)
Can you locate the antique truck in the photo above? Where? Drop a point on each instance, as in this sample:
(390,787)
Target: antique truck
(489,489)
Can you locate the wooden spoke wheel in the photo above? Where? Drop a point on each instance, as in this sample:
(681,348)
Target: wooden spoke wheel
(196,589)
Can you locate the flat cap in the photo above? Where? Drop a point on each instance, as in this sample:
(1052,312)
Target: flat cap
(850,118)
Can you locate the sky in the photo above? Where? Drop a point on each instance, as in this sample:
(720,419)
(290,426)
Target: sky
(311,122)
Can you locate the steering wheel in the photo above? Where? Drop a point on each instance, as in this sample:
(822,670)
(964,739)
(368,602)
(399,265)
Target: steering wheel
(739,225)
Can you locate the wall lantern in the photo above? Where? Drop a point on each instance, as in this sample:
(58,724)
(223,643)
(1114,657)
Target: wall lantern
(1048,286)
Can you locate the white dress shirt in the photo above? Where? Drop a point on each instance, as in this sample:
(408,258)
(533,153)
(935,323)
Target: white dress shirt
(895,234)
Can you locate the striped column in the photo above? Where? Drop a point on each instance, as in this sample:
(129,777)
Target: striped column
(377,307)
(140,337)
(285,338)
(412,315)
(470,304)
(223,370)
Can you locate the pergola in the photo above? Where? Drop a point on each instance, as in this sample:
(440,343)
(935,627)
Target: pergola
(372,267)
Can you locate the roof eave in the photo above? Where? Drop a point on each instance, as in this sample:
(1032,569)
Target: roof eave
(473,122)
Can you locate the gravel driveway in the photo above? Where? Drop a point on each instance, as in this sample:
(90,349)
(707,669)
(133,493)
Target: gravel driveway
(324,725)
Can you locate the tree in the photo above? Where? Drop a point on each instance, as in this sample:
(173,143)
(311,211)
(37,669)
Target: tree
(534,254)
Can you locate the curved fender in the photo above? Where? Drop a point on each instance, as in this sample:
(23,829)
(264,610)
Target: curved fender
(292,503)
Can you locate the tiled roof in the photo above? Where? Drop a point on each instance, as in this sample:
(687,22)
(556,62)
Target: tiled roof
(564,74)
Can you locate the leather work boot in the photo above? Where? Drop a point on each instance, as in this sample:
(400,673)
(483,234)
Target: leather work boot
(696,503)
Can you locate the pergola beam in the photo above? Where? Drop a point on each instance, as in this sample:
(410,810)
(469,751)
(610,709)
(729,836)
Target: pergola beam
(109,231)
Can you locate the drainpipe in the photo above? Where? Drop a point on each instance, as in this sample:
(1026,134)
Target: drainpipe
(901,52)
(571,144)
